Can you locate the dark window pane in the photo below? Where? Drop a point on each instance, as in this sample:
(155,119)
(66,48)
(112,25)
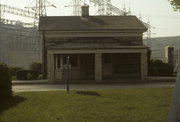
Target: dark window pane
(58,61)
(107,58)
(74,60)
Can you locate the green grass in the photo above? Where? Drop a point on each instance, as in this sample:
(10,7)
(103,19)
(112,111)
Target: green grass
(118,105)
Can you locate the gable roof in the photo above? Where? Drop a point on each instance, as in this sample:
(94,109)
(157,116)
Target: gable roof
(78,23)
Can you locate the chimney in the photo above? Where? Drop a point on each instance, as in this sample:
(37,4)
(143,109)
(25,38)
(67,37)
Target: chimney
(85,11)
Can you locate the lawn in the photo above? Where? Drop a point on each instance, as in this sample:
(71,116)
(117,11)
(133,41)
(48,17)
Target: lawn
(115,105)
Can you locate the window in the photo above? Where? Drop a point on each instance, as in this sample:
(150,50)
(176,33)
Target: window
(73,60)
(58,61)
(107,58)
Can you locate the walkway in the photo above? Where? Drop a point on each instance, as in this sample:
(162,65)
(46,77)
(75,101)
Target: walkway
(51,87)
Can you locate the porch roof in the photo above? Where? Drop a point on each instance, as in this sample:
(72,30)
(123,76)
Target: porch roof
(76,46)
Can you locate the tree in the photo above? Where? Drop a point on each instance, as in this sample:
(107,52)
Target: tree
(5,83)
(175,4)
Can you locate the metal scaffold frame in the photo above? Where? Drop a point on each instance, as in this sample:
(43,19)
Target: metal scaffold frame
(15,11)
(39,8)
(17,36)
(105,7)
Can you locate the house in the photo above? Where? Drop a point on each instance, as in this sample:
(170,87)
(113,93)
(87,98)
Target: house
(99,47)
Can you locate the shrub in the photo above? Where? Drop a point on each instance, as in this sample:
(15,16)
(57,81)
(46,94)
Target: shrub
(158,68)
(41,76)
(35,70)
(22,74)
(5,82)
(34,74)
(14,70)
(27,75)
(166,70)
(36,66)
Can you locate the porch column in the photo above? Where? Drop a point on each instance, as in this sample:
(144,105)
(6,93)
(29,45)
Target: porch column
(62,67)
(50,67)
(144,68)
(98,67)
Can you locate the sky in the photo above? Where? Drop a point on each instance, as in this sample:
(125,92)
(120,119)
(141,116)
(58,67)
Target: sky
(163,19)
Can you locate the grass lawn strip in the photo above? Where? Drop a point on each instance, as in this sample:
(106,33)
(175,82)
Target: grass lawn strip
(115,105)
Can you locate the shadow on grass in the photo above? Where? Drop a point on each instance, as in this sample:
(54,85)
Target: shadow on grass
(90,93)
(5,105)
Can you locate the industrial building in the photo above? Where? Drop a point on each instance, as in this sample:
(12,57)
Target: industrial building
(19,45)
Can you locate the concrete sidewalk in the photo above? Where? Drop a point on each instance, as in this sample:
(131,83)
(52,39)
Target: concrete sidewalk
(44,85)
(52,87)
(29,82)
(45,81)
(162,79)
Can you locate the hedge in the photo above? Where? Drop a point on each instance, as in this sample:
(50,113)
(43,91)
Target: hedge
(36,66)
(27,75)
(14,70)
(22,74)
(159,68)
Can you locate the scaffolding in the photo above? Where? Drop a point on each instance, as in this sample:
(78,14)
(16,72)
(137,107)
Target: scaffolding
(39,9)
(20,42)
(104,7)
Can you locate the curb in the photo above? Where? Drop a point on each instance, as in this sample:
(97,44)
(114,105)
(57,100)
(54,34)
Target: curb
(46,82)
(36,82)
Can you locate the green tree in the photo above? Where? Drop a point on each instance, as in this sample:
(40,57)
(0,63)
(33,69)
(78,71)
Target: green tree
(5,82)
(175,4)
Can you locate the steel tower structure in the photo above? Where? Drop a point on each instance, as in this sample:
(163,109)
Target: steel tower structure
(105,7)
(39,8)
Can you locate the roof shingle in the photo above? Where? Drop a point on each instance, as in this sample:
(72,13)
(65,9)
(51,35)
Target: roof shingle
(78,23)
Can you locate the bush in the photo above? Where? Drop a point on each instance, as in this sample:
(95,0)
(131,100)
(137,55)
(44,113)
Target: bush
(5,82)
(22,74)
(36,66)
(14,70)
(41,76)
(34,74)
(158,68)
(35,70)
(27,75)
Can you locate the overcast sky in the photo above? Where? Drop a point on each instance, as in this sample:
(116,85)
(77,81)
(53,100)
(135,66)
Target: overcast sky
(159,12)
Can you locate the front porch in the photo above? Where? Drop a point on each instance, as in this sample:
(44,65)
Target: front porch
(97,65)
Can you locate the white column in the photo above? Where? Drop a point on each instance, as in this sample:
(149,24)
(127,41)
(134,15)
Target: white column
(144,68)
(62,67)
(98,67)
(61,60)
